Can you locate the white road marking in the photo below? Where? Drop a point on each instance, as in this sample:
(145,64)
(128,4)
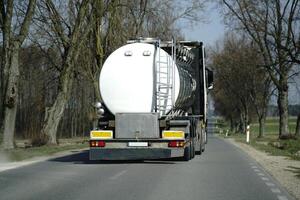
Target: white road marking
(275,190)
(114,177)
(282,197)
(270,184)
(264,178)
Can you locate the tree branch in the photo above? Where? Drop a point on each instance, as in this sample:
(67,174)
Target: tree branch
(27,19)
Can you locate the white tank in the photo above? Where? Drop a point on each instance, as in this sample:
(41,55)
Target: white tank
(127,78)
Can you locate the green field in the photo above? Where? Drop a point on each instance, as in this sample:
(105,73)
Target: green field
(270,143)
(272,126)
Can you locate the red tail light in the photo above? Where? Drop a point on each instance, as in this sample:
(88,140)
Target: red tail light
(96,143)
(176,144)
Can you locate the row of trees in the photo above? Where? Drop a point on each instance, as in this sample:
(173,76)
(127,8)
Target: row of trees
(53,50)
(270,29)
(242,89)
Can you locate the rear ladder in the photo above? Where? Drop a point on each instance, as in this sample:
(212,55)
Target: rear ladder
(165,79)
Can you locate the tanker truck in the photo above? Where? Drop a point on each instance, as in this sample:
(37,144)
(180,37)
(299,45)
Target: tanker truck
(154,102)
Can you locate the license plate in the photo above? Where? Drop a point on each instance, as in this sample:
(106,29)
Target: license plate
(137,144)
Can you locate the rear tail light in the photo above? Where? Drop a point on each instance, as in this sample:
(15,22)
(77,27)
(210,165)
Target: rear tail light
(96,143)
(176,144)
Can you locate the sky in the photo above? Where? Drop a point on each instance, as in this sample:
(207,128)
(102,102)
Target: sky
(209,31)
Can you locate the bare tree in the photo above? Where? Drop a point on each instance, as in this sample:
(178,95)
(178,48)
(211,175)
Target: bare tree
(240,86)
(271,25)
(14,32)
(260,94)
(70,33)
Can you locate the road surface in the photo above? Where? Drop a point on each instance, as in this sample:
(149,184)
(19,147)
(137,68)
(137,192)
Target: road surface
(223,172)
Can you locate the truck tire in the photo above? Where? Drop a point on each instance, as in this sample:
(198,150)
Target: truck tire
(200,148)
(193,149)
(199,151)
(205,142)
(187,153)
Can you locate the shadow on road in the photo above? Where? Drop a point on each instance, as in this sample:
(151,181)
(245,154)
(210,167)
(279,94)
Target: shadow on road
(83,158)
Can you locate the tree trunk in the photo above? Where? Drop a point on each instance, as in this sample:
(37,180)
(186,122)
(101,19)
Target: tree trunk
(231,125)
(97,90)
(261,121)
(53,117)
(242,124)
(283,112)
(55,113)
(1,101)
(297,132)
(10,102)
(247,120)
(5,66)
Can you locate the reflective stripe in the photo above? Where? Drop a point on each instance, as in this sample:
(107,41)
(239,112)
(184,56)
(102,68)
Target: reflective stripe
(173,134)
(101,134)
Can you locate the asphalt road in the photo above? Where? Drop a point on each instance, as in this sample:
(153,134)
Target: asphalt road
(221,173)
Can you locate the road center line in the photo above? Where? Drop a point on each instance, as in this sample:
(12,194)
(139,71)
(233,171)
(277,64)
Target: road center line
(260,174)
(114,177)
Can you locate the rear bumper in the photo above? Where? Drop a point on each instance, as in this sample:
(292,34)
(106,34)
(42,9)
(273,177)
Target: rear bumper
(134,153)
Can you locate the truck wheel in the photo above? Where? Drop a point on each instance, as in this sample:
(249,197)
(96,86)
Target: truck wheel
(200,148)
(192,149)
(187,153)
(199,151)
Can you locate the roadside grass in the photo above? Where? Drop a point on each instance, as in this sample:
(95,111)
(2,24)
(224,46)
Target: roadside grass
(270,142)
(272,126)
(22,153)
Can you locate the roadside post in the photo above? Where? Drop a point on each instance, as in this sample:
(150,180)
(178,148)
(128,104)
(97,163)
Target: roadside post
(248,134)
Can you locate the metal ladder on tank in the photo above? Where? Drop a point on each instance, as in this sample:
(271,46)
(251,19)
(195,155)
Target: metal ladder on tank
(165,80)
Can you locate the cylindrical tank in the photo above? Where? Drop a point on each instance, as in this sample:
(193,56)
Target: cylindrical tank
(127,79)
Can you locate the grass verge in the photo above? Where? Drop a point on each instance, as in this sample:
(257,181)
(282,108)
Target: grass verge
(21,153)
(270,143)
